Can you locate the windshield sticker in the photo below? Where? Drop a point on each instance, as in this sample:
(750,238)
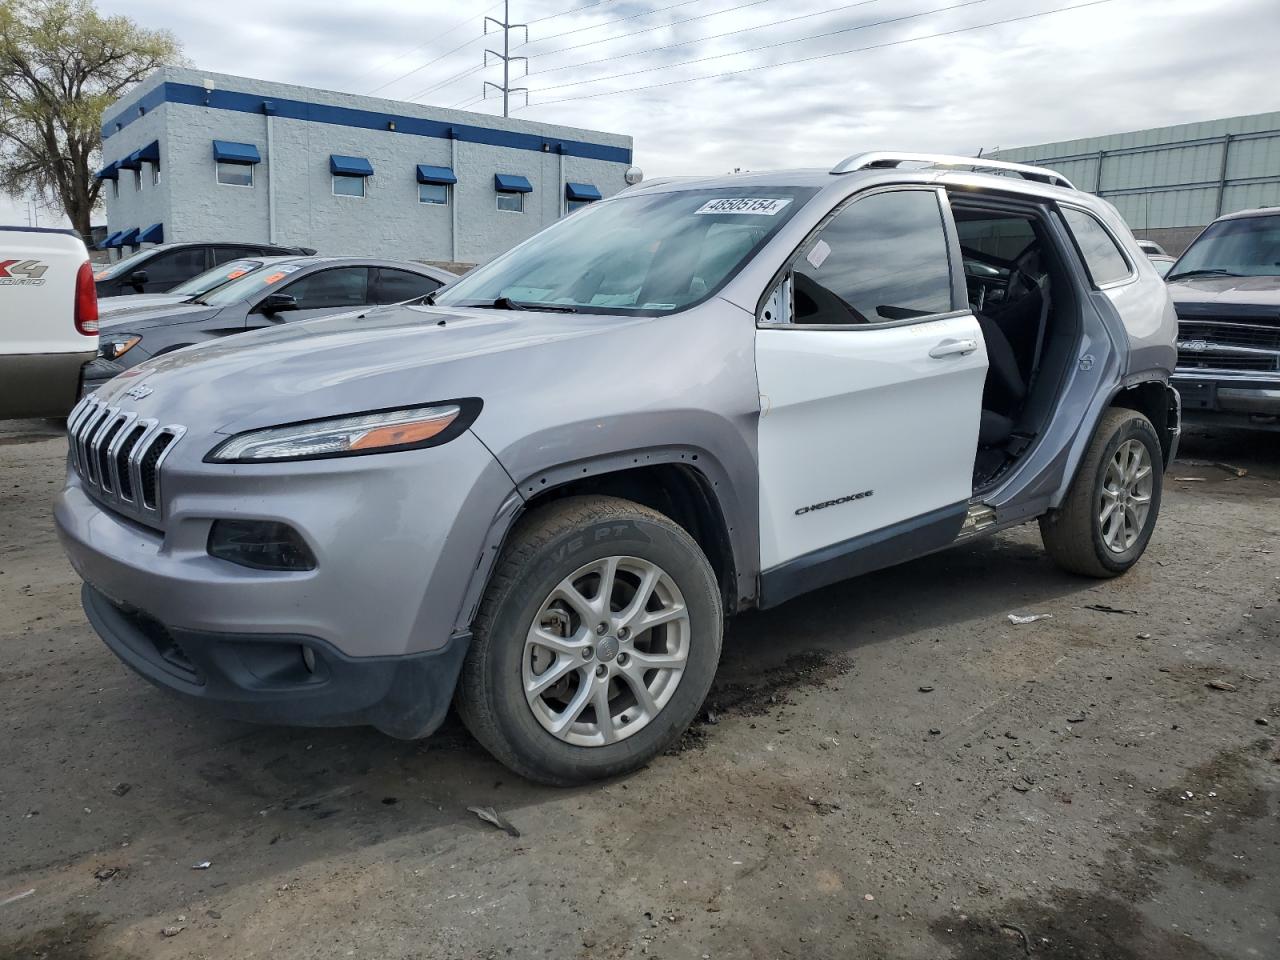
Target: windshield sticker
(818,254)
(756,206)
(281,272)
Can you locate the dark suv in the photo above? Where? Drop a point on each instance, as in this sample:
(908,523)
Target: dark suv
(1226,289)
(164,266)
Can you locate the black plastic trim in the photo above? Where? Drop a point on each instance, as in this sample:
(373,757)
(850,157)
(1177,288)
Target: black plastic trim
(885,547)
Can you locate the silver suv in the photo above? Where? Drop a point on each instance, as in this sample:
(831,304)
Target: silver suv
(538,493)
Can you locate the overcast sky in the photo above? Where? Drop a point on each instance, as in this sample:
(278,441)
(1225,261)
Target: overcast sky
(922,82)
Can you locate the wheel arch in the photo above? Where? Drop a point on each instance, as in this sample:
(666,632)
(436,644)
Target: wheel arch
(683,483)
(1153,397)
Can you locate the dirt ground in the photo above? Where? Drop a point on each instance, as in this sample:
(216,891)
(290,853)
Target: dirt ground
(887,768)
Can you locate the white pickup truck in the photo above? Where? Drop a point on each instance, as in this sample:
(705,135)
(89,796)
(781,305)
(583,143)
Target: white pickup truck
(48,320)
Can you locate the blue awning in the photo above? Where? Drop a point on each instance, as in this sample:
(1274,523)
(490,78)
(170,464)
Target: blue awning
(153,234)
(150,153)
(429,174)
(128,238)
(110,172)
(585,192)
(228,151)
(131,162)
(511,183)
(113,240)
(350,166)
(106,242)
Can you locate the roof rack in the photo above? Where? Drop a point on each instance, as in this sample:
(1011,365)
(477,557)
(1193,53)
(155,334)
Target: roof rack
(888,159)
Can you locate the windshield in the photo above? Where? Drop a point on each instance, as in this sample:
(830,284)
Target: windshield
(633,255)
(204,282)
(1248,247)
(126,265)
(246,286)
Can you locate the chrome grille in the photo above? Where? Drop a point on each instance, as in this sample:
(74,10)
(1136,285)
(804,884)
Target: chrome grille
(118,455)
(1212,344)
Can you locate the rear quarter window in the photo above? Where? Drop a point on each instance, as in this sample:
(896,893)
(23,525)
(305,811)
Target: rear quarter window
(1101,253)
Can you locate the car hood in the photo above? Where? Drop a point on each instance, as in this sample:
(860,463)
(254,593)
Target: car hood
(112,305)
(145,316)
(331,366)
(1243,291)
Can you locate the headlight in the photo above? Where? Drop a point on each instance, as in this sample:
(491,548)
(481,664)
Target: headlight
(383,431)
(116,347)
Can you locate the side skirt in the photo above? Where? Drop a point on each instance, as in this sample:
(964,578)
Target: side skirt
(881,548)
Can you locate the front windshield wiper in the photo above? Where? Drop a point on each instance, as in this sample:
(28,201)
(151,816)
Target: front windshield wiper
(1213,272)
(506,303)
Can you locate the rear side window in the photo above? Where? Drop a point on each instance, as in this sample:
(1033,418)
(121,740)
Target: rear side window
(395,286)
(1101,253)
(172,268)
(882,258)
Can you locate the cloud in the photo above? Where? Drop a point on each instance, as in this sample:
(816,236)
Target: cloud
(1117,66)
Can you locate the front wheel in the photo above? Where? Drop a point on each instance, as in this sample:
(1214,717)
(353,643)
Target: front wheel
(595,643)
(1106,520)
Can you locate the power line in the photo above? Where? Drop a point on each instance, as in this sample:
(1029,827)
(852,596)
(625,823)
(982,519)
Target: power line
(685,43)
(825,56)
(770,46)
(605,23)
(660,26)
(422,46)
(565,13)
(429,63)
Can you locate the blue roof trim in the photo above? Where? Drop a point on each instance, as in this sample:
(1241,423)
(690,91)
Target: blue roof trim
(582,191)
(191,95)
(128,238)
(229,151)
(511,183)
(153,234)
(349,166)
(430,174)
(110,172)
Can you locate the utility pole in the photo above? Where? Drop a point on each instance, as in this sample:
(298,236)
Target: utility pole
(506,26)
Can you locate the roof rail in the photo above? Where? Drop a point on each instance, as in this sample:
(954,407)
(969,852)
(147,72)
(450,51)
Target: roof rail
(885,158)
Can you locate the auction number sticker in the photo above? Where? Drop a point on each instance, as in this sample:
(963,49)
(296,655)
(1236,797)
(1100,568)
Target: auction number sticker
(755,206)
(281,272)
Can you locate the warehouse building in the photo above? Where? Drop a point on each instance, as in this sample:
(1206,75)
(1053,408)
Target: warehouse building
(199,156)
(1170,182)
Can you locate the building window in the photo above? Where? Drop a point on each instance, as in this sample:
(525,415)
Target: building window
(345,185)
(115,189)
(511,202)
(155,174)
(235,174)
(572,205)
(137,179)
(433,193)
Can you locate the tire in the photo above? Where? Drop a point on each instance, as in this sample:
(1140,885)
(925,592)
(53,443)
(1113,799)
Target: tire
(1075,535)
(506,660)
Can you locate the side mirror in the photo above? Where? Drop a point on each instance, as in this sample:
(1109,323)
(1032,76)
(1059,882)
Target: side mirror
(138,279)
(278,303)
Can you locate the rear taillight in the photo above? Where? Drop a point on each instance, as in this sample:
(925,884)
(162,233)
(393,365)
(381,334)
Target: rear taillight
(86,301)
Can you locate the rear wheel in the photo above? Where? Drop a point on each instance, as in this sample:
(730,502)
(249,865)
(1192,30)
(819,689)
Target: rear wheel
(1106,520)
(595,643)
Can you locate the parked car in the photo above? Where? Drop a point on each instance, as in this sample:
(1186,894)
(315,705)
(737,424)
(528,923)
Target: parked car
(1162,263)
(1226,288)
(1151,248)
(48,320)
(160,268)
(538,493)
(289,289)
(197,286)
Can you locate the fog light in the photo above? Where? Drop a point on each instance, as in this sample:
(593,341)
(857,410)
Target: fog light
(260,544)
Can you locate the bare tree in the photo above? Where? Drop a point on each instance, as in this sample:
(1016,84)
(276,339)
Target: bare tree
(61,65)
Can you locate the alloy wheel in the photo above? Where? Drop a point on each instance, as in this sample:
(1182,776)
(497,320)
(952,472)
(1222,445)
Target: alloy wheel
(1125,498)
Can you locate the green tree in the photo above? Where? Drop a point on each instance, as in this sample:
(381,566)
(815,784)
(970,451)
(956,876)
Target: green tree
(61,65)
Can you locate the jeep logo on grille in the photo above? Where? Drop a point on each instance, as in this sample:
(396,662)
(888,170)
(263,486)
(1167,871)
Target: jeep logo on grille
(140,392)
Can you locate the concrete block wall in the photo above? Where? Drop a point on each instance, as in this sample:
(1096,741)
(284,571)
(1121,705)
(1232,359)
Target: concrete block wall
(292,199)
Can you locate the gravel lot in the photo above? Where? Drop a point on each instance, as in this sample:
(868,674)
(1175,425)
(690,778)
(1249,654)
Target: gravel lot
(888,768)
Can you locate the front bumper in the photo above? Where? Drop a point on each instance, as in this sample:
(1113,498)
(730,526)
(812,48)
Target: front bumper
(1246,401)
(268,679)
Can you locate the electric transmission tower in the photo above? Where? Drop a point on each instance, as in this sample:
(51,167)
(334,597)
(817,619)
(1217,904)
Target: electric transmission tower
(506,26)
